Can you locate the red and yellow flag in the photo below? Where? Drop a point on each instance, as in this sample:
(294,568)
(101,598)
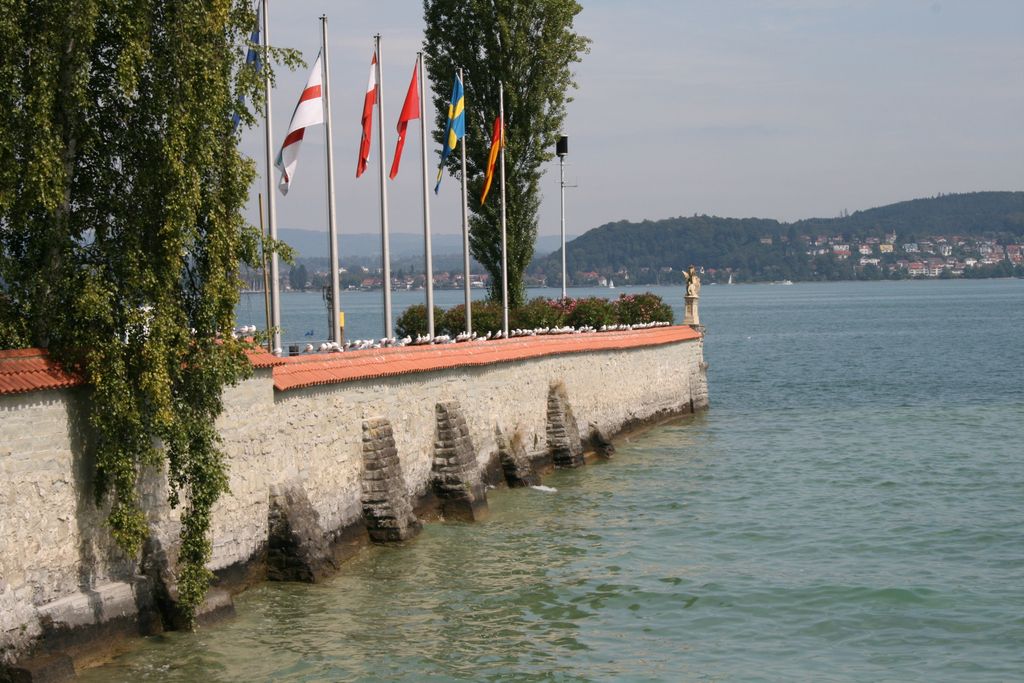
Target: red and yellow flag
(497,142)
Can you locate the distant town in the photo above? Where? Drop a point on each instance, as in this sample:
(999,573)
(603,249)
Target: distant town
(885,257)
(890,257)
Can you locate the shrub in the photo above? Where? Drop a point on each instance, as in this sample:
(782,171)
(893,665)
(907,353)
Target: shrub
(413,321)
(539,312)
(487,317)
(633,309)
(594,311)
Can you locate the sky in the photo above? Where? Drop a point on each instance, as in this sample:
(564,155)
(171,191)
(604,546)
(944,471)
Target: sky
(783,109)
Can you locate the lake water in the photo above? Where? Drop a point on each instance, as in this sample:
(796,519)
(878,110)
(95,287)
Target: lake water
(851,508)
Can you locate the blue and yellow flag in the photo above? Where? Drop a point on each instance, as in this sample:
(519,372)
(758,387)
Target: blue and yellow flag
(251,57)
(456,127)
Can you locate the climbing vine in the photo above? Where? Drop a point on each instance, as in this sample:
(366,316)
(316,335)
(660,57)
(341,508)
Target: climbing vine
(121,234)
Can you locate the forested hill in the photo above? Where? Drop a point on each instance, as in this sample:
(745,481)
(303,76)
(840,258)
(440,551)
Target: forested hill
(975,213)
(759,249)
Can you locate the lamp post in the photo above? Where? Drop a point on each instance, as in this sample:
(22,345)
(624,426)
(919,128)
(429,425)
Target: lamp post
(562,149)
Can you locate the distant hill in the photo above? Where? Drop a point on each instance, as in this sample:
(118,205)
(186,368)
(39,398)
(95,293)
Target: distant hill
(973,213)
(366,246)
(742,243)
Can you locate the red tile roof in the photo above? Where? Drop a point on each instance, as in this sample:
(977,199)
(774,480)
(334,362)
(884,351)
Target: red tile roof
(305,371)
(261,358)
(23,370)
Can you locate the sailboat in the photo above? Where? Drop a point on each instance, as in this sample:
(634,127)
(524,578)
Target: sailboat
(730,278)
(611,285)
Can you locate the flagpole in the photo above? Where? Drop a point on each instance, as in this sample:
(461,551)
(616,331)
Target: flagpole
(332,228)
(266,278)
(561,184)
(504,236)
(465,226)
(275,292)
(384,239)
(426,202)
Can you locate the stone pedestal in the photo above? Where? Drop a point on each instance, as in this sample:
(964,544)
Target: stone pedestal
(691,316)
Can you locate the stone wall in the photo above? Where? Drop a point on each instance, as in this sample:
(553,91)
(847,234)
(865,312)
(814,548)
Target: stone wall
(60,572)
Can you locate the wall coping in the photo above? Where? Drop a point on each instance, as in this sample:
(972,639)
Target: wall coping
(24,370)
(27,370)
(298,372)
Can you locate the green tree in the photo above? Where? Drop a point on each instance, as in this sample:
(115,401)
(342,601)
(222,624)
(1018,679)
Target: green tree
(298,277)
(121,232)
(530,46)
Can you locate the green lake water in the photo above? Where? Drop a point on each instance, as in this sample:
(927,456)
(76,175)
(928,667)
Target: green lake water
(851,508)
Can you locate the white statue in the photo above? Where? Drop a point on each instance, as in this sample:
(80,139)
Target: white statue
(692,282)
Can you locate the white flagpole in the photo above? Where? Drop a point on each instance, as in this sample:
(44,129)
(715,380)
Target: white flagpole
(465,223)
(275,292)
(426,201)
(332,228)
(504,237)
(384,239)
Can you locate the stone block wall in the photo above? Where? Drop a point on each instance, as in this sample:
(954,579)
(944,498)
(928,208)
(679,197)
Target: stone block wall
(56,555)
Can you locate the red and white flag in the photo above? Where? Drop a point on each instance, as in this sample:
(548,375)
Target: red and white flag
(371,98)
(410,111)
(308,112)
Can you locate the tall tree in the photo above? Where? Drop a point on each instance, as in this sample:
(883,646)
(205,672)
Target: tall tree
(298,277)
(530,47)
(121,189)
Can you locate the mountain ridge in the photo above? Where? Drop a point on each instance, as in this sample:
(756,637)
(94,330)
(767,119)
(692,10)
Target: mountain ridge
(767,248)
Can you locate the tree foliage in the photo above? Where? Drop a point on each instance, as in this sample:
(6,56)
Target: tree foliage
(530,47)
(121,232)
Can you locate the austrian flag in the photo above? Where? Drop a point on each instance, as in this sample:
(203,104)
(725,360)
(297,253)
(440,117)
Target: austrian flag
(308,112)
(367,118)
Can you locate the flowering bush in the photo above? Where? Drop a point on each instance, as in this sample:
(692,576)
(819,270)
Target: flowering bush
(538,312)
(633,309)
(629,309)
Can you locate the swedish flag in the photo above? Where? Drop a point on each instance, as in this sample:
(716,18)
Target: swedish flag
(456,127)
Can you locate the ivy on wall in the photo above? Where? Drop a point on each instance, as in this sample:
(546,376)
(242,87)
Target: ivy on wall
(121,233)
